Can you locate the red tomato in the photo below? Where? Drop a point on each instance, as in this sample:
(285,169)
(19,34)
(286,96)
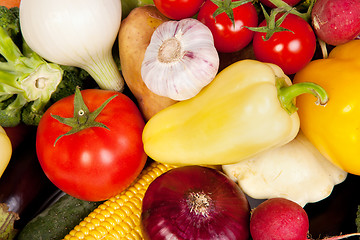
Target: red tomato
(178,9)
(289,2)
(228,38)
(95,163)
(289,50)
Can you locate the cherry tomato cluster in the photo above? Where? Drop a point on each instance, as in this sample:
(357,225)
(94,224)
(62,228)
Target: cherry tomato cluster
(235,24)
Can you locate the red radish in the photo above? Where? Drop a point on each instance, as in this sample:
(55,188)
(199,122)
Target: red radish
(282,219)
(336,21)
(279,219)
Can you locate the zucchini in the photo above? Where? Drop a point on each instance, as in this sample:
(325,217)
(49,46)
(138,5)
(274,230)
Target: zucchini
(58,219)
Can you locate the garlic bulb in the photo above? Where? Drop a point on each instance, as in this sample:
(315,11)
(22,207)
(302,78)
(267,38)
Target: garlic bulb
(180,60)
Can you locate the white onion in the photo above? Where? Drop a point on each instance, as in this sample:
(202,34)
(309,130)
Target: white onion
(78,33)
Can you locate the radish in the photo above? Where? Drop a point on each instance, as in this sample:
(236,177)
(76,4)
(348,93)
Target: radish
(282,219)
(279,218)
(336,21)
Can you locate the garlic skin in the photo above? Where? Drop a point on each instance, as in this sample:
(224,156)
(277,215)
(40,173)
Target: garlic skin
(180,60)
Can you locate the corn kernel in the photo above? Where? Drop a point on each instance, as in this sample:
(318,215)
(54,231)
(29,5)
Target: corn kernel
(89,226)
(100,217)
(119,217)
(90,238)
(95,234)
(108,224)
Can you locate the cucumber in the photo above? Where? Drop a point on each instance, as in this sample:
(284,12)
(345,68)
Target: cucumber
(56,221)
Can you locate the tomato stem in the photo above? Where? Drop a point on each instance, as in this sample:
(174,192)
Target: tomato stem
(287,94)
(82,118)
(272,25)
(283,5)
(227,6)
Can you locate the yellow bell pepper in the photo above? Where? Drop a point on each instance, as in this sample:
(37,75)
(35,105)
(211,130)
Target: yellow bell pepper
(334,129)
(5,150)
(248,108)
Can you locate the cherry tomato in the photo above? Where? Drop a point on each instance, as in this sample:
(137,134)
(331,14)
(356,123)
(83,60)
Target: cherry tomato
(290,50)
(178,9)
(228,38)
(97,162)
(289,2)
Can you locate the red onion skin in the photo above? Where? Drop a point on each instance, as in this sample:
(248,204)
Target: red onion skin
(166,213)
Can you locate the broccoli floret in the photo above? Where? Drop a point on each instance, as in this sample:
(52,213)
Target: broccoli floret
(9,20)
(73,77)
(25,79)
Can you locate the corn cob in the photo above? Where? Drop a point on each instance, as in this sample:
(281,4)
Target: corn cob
(119,217)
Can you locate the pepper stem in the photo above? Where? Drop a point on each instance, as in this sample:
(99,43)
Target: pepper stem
(82,118)
(287,94)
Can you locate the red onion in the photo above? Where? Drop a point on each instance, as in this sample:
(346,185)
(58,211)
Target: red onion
(195,202)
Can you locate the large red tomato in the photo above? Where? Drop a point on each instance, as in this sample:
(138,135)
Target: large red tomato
(100,160)
(227,36)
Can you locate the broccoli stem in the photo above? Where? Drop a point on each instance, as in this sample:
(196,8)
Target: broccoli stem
(29,77)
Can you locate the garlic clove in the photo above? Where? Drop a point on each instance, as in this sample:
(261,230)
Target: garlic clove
(180,60)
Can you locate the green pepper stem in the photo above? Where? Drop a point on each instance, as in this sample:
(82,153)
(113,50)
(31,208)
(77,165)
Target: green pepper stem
(287,94)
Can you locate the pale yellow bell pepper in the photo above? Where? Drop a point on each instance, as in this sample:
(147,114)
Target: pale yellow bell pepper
(248,108)
(5,150)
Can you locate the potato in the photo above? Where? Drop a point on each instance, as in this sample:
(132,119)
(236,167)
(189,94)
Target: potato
(134,37)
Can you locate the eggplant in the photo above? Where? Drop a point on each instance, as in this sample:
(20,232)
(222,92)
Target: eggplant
(24,188)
